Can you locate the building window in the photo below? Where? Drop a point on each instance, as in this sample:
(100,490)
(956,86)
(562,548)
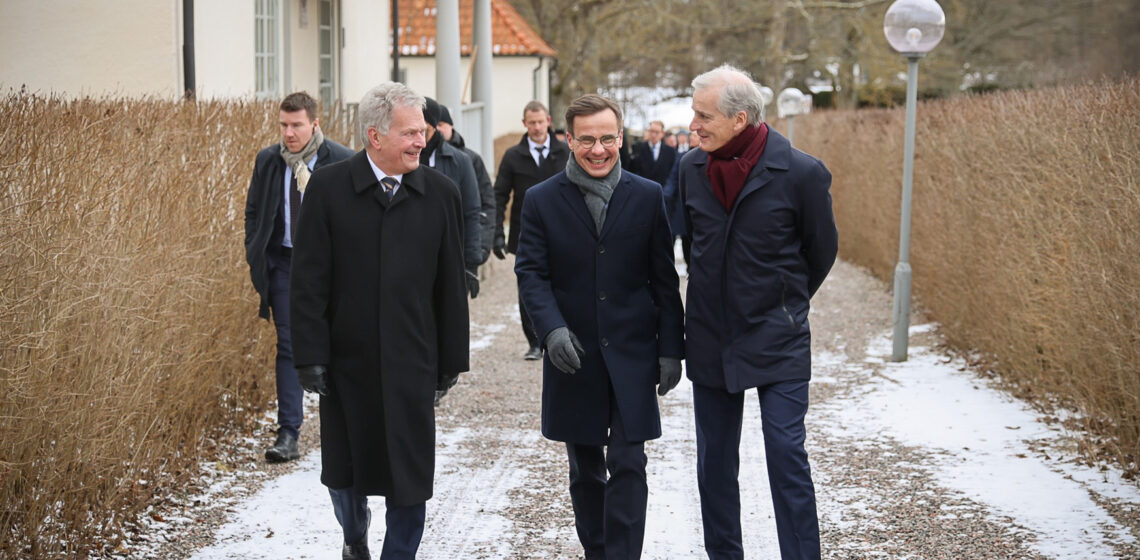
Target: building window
(327,60)
(266,22)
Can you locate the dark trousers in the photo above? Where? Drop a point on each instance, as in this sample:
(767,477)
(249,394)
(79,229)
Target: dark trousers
(289,394)
(609,513)
(404,525)
(719,417)
(527,326)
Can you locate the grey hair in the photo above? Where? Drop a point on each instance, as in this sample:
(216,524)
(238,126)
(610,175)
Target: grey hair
(737,92)
(376,107)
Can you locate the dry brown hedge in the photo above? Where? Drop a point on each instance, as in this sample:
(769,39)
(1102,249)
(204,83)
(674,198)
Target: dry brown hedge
(128,327)
(1026,236)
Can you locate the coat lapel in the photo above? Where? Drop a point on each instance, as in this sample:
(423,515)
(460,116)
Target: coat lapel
(617,203)
(577,204)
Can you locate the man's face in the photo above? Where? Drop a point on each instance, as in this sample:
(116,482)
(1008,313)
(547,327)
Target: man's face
(671,141)
(694,141)
(398,151)
(296,129)
(597,160)
(654,133)
(537,123)
(446,130)
(682,139)
(713,128)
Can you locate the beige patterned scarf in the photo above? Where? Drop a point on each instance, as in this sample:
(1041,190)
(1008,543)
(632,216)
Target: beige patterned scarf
(299,161)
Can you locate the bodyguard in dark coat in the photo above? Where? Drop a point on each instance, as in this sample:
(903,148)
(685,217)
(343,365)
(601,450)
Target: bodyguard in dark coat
(534,159)
(380,321)
(763,240)
(270,219)
(653,159)
(595,271)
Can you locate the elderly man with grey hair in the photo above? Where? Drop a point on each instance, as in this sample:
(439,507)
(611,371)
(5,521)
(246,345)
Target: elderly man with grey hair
(380,321)
(763,240)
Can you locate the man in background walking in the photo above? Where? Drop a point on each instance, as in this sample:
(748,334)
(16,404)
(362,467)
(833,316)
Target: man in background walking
(280,177)
(537,157)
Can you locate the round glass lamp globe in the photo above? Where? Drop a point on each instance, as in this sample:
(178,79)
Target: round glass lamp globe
(790,102)
(914,26)
(766,94)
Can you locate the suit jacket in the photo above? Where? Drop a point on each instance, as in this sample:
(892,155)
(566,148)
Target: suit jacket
(655,170)
(378,295)
(517,173)
(262,204)
(753,270)
(617,292)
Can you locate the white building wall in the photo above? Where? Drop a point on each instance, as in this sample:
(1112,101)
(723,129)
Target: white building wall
(365,59)
(223,49)
(127,47)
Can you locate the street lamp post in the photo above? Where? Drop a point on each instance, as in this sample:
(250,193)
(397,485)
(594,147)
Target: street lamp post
(790,103)
(913,28)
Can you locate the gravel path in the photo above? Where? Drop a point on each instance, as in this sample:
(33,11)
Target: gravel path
(501,488)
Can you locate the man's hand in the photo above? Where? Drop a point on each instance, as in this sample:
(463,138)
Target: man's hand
(669,374)
(564,350)
(314,379)
(499,246)
(472,283)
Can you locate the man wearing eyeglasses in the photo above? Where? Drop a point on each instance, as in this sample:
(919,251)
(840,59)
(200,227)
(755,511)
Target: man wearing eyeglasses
(537,157)
(764,239)
(596,274)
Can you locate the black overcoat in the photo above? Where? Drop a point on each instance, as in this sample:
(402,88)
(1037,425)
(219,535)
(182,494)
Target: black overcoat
(752,271)
(378,295)
(517,173)
(617,292)
(656,170)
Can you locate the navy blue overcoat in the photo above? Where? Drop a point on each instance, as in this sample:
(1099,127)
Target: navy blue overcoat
(752,271)
(618,292)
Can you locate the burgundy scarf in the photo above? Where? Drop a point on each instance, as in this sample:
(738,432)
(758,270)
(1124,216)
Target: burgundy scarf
(730,164)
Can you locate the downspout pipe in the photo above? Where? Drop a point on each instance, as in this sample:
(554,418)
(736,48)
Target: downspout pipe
(395,40)
(188,80)
(534,78)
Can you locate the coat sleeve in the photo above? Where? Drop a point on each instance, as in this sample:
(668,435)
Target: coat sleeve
(487,210)
(665,287)
(532,267)
(252,200)
(453,323)
(819,238)
(503,189)
(471,201)
(310,282)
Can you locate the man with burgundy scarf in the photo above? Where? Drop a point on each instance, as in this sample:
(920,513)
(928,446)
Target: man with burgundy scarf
(763,240)
(280,175)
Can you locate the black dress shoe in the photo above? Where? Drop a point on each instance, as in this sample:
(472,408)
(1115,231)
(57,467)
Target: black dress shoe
(284,449)
(358,551)
(533,354)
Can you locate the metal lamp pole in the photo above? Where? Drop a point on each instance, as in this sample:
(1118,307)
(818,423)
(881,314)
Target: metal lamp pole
(913,28)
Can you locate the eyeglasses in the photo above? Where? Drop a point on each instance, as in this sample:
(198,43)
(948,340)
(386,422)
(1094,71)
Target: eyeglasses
(587,142)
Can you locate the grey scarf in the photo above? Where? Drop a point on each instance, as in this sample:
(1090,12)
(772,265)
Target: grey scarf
(299,161)
(597,191)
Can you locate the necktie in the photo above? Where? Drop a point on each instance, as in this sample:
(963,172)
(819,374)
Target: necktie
(294,207)
(389,184)
(541,158)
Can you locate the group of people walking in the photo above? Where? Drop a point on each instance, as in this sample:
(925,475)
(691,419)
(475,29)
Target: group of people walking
(368,284)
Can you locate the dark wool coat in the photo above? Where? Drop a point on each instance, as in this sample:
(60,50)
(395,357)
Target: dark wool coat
(517,173)
(263,203)
(617,292)
(655,170)
(451,161)
(378,295)
(752,271)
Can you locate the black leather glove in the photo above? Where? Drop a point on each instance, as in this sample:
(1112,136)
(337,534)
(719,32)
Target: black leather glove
(669,374)
(472,283)
(500,246)
(564,350)
(314,379)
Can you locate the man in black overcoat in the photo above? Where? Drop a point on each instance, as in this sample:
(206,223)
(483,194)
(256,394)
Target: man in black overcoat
(537,157)
(763,240)
(380,323)
(653,158)
(596,273)
(280,177)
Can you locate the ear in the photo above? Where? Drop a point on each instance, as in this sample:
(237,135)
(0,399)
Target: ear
(739,121)
(316,123)
(374,138)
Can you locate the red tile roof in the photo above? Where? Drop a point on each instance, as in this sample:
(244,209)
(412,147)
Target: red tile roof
(510,33)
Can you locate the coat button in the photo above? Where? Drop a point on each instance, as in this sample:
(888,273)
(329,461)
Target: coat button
(602,296)
(605,342)
(601,249)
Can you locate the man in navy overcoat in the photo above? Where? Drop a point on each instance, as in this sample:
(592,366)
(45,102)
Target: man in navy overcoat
(763,240)
(596,274)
